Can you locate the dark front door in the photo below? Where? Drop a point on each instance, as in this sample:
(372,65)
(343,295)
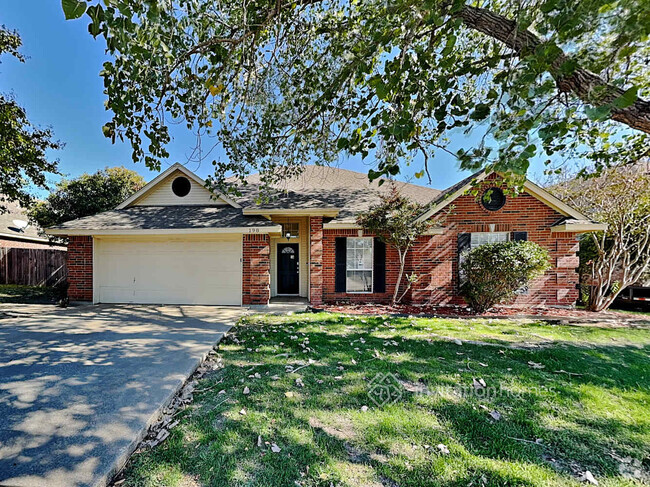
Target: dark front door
(288,276)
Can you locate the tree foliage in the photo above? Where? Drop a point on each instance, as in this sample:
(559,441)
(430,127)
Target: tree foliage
(492,273)
(393,220)
(23,157)
(281,83)
(86,195)
(620,198)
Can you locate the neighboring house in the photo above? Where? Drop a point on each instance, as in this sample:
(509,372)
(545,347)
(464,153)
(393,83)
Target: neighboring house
(16,231)
(174,242)
(26,256)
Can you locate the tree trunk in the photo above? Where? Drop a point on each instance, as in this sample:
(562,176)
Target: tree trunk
(402,263)
(581,82)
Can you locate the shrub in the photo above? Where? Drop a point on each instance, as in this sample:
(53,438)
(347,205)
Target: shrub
(492,273)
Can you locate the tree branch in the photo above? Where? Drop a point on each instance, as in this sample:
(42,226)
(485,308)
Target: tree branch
(587,86)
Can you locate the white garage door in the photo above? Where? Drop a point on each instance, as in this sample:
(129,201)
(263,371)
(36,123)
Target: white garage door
(168,271)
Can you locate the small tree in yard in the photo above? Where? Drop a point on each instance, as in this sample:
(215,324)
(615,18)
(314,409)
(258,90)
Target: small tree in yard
(620,256)
(393,220)
(492,273)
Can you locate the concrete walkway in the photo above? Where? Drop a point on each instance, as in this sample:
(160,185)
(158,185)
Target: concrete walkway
(79,387)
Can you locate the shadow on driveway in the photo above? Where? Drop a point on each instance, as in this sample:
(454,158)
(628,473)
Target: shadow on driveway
(78,387)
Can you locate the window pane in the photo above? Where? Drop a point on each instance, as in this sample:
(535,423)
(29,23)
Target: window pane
(480,238)
(359,281)
(367,259)
(359,265)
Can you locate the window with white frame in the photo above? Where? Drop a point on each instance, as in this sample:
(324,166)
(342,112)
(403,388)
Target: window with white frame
(359,265)
(481,238)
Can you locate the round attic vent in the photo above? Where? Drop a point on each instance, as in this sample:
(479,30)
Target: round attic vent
(493,199)
(181,186)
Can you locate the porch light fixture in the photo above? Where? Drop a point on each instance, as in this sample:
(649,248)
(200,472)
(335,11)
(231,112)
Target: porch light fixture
(288,235)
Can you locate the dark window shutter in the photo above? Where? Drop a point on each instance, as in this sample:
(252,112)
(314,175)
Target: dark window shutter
(519,236)
(379,267)
(464,244)
(340,260)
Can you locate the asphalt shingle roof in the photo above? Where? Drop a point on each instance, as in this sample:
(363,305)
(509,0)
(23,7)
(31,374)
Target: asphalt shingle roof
(331,187)
(166,217)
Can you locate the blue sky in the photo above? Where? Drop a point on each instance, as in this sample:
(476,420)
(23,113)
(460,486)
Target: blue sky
(60,87)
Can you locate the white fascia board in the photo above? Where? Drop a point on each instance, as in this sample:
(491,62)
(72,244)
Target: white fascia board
(579,227)
(341,226)
(154,182)
(353,226)
(552,201)
(330,212)
(166,231)
(454,196)
(20,237)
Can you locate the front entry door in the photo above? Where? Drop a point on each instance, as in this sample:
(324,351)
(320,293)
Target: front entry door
(288,275)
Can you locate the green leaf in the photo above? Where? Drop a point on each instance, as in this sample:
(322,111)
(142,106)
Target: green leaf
(598,113)
(481,112)
(628,98)
(96,14)
(73,9)
(449,46)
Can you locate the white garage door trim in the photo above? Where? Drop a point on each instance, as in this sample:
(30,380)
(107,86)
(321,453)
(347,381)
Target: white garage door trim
(168,260)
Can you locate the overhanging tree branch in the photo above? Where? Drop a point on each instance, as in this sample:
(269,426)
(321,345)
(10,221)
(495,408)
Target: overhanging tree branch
(587,86)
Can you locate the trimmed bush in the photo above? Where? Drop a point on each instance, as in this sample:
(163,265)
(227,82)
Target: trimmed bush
(492,273)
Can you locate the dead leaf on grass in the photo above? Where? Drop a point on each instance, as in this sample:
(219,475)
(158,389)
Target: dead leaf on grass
(589,477)
(479,384)
(443,449)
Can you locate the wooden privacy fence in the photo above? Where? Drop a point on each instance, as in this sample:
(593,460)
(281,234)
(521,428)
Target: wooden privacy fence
(32,267)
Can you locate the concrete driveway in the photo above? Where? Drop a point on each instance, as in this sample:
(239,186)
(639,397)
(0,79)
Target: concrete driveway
(78,387)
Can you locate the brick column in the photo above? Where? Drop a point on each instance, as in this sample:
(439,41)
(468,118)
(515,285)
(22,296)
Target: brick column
(256,285)
(80,268)
(566,264)
(316,260)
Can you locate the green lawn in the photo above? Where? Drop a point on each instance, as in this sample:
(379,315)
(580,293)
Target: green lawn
(12,293)
(588,408)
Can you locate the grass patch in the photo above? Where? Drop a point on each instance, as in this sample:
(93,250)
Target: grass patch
(13,293)
(586,409)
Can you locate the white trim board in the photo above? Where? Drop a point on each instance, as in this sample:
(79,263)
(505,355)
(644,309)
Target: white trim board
(267,212)
(167,231)
(579,227)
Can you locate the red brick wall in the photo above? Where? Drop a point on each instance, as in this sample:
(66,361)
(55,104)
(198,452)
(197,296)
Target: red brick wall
(24,244)
(435,257)
(316,271)
(80,268)
(256,285)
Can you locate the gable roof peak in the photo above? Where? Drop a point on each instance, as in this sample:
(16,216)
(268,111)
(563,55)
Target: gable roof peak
(461,188)
(177,166)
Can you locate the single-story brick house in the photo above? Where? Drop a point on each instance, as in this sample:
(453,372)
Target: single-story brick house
(175,242)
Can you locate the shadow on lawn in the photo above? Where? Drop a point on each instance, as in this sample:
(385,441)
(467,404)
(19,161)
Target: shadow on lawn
(546,404)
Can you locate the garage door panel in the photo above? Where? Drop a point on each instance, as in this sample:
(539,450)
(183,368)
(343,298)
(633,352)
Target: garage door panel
(173,272)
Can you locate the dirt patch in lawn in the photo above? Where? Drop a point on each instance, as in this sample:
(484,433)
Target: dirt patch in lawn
(343,430)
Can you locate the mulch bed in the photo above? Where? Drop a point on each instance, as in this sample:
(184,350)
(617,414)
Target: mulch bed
(496,312)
